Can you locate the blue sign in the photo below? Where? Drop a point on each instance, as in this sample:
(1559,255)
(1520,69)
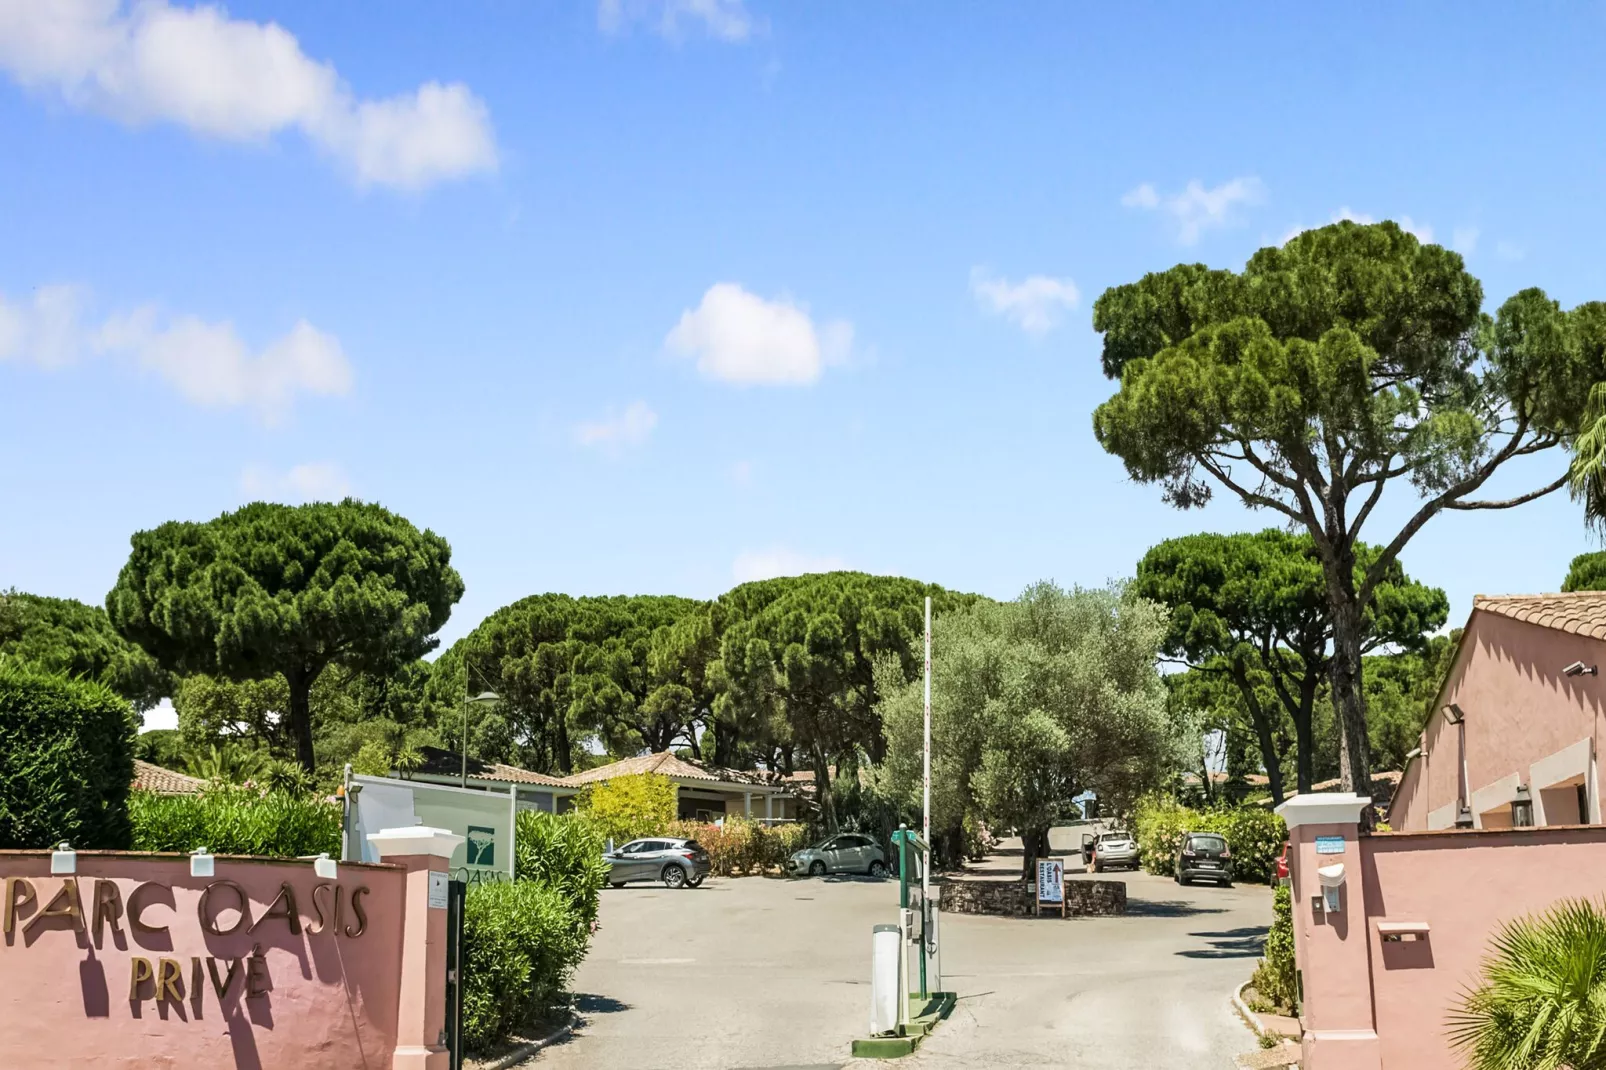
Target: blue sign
(1329,845)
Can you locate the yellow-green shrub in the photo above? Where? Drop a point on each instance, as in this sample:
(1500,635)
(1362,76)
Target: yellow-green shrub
(741,847)
(1255,836)
(629,807)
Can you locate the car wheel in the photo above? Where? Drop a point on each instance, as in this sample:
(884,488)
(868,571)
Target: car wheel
(878,868)
(673,876)
(816,869)
(1227,883)
(694,881)
(616,884)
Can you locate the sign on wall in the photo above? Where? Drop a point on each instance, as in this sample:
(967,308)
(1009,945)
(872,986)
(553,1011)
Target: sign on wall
(1050,883)
(1329,845)
(483,818)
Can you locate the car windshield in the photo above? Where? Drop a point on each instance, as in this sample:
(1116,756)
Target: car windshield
(1113,837)
(1207,843)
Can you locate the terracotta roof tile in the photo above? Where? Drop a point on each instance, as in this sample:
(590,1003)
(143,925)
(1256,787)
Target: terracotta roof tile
(154,778)
(666,763)
(1578,612)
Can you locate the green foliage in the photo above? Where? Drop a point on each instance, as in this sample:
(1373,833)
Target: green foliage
(1276,978)
(1252,609)
(1254,835)
(521,942)
(797,663)
(628,807)
(59,635)
(741,847)
(1037,701)
(235,820)
(1587,572)
(66,761)
(160,746)
(568,669)
(1541,1000)
(1350,359)
(286,590)
(563,852)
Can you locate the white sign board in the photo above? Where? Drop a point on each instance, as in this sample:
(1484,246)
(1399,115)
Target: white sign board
(483,818)
(1050,880)
(437,890)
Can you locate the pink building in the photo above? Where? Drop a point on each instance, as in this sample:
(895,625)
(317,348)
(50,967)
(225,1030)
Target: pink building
(1517,725)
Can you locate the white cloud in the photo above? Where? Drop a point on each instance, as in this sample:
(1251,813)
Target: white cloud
(1196,208)
(318,481)
(779,561)
(727,20)
(238,80)
(1465,240)
(739,337)
(615,431)
(1506,250)
(1035,304)
(207,363)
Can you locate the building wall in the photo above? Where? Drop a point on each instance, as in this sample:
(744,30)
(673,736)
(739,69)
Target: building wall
(331,999)
(1526,724)
(1465,886)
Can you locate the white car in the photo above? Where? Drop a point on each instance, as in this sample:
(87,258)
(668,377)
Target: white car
(1115,849)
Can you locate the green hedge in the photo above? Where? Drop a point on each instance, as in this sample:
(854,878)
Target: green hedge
(563,852)
(1255,836)
(1275,979)
(66,761)
(521,941)
(241,821)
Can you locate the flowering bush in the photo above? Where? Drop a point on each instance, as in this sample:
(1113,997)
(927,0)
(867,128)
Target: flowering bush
(741,847)
(1255,836)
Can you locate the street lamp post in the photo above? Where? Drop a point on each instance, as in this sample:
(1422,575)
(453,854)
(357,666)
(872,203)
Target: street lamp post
(484,698)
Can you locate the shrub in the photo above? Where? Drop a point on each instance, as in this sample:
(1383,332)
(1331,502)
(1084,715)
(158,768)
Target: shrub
(1255,836)
(563,852)
(742,846)
(1275,978)
(1541,1000)
(66,761)
(629,807)
(233,820)
(521,942)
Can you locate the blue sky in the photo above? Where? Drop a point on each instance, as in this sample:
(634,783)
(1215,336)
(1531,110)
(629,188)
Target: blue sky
(653,297)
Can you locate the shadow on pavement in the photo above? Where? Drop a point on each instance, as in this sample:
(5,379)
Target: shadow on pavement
(1167,908)
(1245,943)
(586,1003)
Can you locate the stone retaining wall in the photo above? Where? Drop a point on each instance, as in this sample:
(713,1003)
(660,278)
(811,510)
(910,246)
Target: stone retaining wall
(1015,899)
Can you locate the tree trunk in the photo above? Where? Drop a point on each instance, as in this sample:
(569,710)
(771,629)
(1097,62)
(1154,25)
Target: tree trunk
(1034,845)
(1349,701)
(822,788)
(300,682)
(1269,757)
(560,742)
(1303,732)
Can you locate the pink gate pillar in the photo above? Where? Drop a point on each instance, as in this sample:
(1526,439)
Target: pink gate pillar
(1330,946)
(425,853)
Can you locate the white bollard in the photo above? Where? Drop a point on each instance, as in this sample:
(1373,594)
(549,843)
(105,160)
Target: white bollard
(886,956)
(933,952)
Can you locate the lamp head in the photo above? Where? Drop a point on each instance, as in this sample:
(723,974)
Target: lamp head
(1578,668)
(486,698)
(1453,714)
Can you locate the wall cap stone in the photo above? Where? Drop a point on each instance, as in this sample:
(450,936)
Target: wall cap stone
(418,840)
(1323,808)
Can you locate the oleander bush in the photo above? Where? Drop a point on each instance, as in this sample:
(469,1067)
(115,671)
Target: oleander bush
(226,819)
(563,852)
(741,847)
(66,761)
(522,940)
(1254,835)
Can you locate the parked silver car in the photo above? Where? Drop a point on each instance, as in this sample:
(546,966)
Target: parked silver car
(678,863)
(847,852)
(1115,849)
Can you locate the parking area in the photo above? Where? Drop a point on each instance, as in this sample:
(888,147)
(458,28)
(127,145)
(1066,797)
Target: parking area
(773,973)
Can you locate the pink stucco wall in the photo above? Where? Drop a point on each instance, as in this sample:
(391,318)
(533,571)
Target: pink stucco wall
(1465,885)
(332,1001)
(1519,710)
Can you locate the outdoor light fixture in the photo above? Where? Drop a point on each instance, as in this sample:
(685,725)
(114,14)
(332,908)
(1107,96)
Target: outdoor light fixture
(1463,817)
(324,867)
(1453,714)
(1522,808)
(201,863)
(484,698)
(63,861)
(1578,668)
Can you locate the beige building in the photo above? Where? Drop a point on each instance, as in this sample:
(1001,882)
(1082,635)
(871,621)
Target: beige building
(706,793)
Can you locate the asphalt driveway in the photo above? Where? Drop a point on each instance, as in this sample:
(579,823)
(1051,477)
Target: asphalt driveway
(773,973)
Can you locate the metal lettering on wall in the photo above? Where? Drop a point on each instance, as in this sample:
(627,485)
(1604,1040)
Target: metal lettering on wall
(163,979)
